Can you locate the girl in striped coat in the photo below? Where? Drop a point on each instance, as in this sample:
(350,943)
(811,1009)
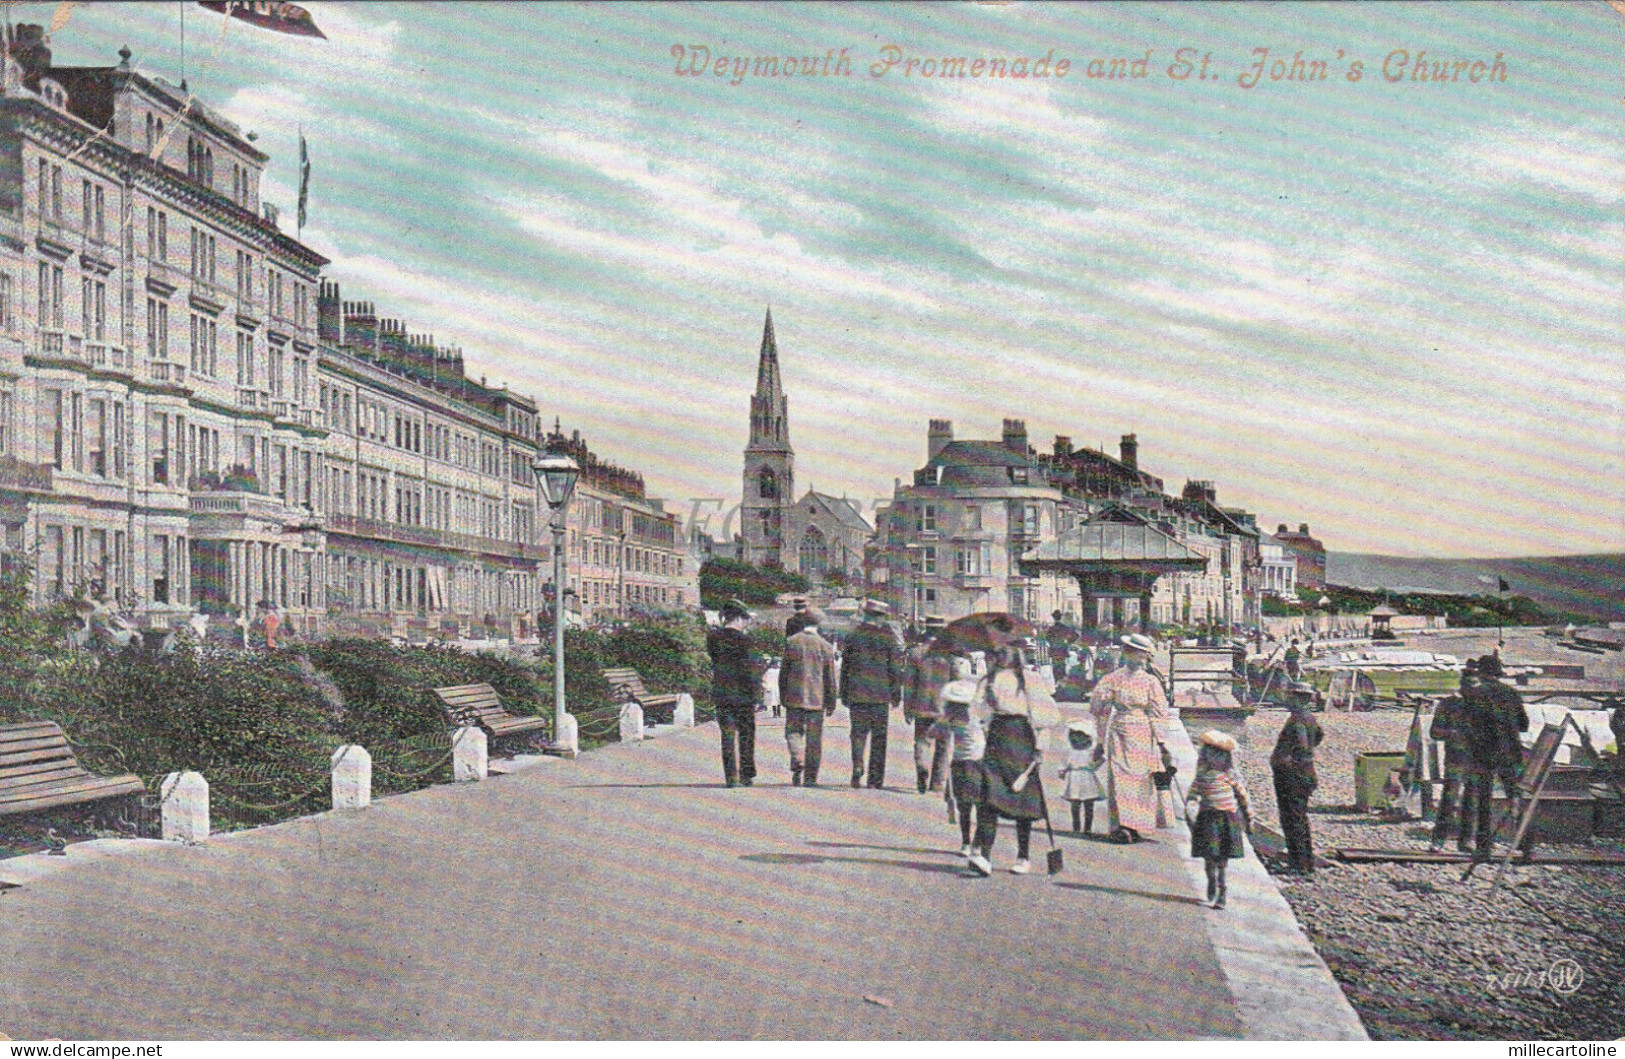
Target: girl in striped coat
(1223,811)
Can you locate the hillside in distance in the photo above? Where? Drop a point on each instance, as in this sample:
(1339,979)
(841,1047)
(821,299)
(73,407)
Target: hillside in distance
(1593,585)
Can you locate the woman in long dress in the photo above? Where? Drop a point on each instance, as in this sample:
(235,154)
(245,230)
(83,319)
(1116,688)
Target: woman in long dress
(1131,712)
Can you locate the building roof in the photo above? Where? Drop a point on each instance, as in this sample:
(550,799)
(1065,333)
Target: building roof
(1102,544)
(841,509)
(979,454)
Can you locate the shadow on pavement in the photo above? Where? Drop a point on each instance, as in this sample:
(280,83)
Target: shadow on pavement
(650,786)
(813,858)
(888,849)
(1175,899)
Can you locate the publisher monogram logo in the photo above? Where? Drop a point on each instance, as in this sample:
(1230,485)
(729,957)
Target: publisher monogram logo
(1564,977)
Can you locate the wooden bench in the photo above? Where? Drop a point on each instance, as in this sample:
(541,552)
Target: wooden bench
(625,683)
(477,704)
(38,771)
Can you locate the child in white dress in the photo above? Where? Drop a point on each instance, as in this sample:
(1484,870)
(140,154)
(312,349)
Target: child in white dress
(1083,788)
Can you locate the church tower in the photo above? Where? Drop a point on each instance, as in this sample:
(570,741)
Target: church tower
(769,485)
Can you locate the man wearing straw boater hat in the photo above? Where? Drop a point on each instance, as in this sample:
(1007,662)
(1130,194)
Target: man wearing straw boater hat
(871,681)
(1292,766)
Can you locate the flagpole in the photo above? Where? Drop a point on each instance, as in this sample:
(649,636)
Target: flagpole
(183,44)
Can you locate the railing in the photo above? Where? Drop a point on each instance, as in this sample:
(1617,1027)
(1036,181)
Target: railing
(279,409)
(378,529)
(307,417)
(50,343)
(95,244)
(14,474)
(165,274)
(241,502)
(59,230)
(167,371)
(249,399)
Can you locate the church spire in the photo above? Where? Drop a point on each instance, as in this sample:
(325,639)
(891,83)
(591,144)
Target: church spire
(767,367)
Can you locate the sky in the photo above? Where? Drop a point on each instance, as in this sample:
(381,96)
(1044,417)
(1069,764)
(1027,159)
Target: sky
(1394,310)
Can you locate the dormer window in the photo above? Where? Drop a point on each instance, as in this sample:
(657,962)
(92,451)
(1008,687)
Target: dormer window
(1018,475)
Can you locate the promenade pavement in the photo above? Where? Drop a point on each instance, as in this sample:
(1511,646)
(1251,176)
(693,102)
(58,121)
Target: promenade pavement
(624,894)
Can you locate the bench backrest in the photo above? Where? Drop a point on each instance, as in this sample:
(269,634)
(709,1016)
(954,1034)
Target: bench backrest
(34,752)
(628,679)
(476,701)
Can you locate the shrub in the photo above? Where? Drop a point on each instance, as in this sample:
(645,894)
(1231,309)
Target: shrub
(723,579)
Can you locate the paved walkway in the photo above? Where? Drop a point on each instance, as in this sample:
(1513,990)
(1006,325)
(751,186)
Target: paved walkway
(626,894)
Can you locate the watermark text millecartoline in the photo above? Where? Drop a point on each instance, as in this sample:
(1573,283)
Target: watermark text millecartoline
(1187,65)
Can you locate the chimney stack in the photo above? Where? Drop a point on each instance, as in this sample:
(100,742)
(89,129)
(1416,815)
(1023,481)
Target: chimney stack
(937,437)
(1063,445)
(1201,489)
(329,314)
(1015,435)
(1303,529)
(1280,531)
(1129,449)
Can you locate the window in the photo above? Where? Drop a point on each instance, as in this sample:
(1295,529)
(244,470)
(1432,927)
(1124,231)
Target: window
(968,561)
(973,517)
(245,359)
(76,426)
(5,422)
(160,579)
(1018,475)
(50,295)
(158,439)
(925,520)
(928,560)
(1029,520)
(96,432)
(93,310)
(157,329)
(8,319)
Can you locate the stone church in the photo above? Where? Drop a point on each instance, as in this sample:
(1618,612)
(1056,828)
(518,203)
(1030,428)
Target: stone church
(818,535)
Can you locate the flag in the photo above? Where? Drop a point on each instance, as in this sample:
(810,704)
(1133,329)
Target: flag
(268,14)
(304,178)
(1503,586)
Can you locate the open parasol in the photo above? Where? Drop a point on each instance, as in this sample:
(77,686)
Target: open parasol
(987,631)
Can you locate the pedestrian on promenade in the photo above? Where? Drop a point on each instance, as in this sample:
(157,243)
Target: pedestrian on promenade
(1292,764)
(871,682)
(930,667)
(1131,717)
(1081,776)
(1058,638)
(1294,670)
(272,622)
(798,617)
(1496,718)
(966,784)
(770,688)
(807,689)
(1450,726)
(1017,710)
(1222,813)
(736,684)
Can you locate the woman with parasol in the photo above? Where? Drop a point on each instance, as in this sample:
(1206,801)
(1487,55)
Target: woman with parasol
(1017,711)
(1131,713)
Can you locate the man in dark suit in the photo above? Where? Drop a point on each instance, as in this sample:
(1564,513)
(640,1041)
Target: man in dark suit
(1293,766)
(736,685)
(871,682)
(1495,719)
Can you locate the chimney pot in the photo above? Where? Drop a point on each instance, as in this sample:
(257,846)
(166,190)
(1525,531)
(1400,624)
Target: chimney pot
(1303,528)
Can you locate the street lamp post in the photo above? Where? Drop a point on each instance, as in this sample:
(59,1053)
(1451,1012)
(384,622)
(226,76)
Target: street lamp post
(556,477)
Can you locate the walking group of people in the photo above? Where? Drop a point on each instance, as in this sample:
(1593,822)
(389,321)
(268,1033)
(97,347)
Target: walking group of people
(979,741)
(1479,727)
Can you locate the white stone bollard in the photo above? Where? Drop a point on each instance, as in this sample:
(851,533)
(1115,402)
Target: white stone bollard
(469,759)
(567,740)
(352,777)
(631,723)
(184,807)
(682,714)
